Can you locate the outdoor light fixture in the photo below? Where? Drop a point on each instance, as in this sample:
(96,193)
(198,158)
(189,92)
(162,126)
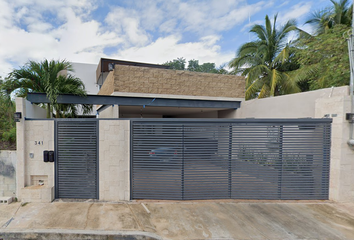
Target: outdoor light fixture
(17,116)
(350,117)
(110,66)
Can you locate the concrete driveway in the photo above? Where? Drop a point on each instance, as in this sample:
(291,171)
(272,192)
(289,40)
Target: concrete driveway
(183,220)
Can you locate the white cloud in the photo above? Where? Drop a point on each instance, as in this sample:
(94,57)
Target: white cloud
(168,48)
(127,24)
(25,33)
(141,30)
(201,17)
(248,26)
(296,12)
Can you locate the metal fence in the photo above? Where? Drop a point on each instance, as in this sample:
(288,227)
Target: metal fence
(237,159)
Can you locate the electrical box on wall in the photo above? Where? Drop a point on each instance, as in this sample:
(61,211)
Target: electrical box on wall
(51,156)
(48,156)
(45,156)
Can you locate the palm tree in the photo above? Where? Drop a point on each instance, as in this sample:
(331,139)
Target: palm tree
(265,61)
(48,77)
(339,13)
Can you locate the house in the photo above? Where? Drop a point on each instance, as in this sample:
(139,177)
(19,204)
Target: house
(169,134)
(169,93)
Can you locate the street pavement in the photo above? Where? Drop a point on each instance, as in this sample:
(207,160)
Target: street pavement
(178,220)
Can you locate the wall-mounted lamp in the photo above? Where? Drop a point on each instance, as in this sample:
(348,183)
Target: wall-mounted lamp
(350,117)
(110,66)
(17,116)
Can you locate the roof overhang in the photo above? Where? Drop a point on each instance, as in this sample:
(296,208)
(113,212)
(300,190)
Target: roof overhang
(134,101)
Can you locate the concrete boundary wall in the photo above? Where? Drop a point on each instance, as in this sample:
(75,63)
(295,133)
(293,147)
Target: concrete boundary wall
(7,173)
(114,143)
(299,105)
(34,137)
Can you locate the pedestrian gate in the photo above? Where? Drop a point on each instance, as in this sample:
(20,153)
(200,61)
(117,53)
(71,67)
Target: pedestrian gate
(237,159)
(76,158)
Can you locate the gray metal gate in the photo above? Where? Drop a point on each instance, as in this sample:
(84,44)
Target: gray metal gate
(237,159)
(76,158)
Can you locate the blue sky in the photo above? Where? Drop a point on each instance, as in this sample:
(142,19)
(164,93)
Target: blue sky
(152,31)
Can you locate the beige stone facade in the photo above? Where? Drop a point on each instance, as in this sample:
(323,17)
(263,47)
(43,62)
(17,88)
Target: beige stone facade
(341,186)
(135,79)
(108,86)
(114,160)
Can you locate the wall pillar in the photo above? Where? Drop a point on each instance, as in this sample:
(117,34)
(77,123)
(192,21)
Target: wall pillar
(341,187)
(20,141)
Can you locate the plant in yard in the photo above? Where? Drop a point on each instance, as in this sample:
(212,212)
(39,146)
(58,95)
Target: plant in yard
(50,77)
(267,61)
(339,13)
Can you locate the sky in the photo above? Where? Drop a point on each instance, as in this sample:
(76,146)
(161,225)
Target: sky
(152,31)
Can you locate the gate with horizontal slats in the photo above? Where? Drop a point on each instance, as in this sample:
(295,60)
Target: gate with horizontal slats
(237,159)
(76,158)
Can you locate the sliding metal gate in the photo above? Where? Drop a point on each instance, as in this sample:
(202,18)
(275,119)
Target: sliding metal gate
(237,159)
(76,158)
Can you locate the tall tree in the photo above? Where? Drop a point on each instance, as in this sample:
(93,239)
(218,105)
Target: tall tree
(176,64)
(194,66)
(340,12)
(323,59)
(266,61)
(50,77)
(7,122)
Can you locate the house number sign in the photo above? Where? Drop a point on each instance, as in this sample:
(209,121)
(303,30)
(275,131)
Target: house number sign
(38,142)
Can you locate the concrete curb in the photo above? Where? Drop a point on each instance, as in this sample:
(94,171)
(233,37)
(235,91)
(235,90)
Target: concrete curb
(75,234)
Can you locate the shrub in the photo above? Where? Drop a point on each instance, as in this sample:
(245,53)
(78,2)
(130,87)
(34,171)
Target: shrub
(10,135)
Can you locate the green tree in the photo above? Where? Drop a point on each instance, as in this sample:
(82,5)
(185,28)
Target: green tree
(340,12)
(194,66)
(324,60)
(266,62)
(50,77)
(7,123)
(176,64)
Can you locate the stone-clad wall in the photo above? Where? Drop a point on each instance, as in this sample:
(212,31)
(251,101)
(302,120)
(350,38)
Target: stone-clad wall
(174,82)
(108,86)
(114,155)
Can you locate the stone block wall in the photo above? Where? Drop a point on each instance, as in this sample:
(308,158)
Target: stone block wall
(135,79)
(108,86)
(114,163)
(7,173)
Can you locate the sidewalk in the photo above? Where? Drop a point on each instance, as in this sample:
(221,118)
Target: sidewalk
(180,220)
